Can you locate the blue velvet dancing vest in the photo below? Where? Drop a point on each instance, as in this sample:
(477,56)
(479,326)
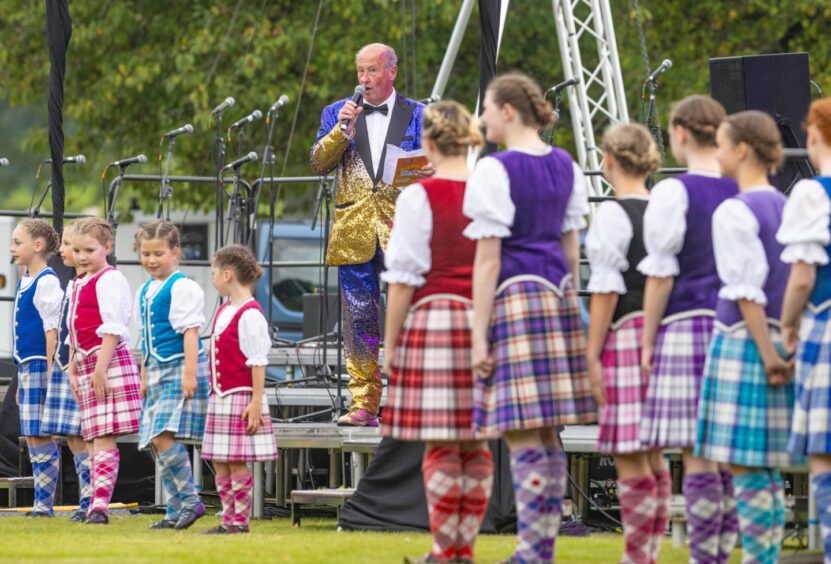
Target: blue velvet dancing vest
(29,336)
(158,338)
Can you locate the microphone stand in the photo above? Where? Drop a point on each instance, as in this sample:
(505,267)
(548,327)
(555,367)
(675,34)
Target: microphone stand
(165,189)
(557,102)
(35,211)
(234,206)
(651,115)
(112,197)
(219,162)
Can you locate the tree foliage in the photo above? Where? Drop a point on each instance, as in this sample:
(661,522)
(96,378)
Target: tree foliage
(137,69)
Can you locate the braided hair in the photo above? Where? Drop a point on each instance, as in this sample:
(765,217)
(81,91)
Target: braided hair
(525,96)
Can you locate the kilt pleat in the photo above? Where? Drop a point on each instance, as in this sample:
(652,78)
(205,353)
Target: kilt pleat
(626,384)
(430,392)
(671,408)
(32,384)
(164,408)
(120,412)
(226,439)
(61,414)
(539,347)
(742,420)
(811,429)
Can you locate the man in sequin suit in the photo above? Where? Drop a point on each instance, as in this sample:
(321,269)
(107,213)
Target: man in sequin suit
(364,210)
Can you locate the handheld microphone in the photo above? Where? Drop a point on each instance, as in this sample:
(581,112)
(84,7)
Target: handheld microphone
(80,159)
(357,97)
(665,66)
(229,101)
(431,100)
(4,162)
(141,159)
(255,115)
(281,101)
(573,81)
(187,128)
(252,156)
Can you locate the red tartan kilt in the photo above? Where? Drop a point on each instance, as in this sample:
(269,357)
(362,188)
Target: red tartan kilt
(430,394)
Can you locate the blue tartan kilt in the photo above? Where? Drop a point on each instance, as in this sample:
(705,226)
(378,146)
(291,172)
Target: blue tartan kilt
(742,419)
(164,408)
(811,429)
(32,383)
(61,414)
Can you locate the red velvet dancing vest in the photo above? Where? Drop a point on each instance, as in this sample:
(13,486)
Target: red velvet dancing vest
(229,373)
(452,253)
(85,316)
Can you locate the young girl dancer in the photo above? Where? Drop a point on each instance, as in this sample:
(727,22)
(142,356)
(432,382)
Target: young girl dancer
(746,396)
(61,415)
(430,396)
(238,427)
(102,371)
(174,372)
(806,311)
(527,204)
(37,309)
(614,246)
(679,305)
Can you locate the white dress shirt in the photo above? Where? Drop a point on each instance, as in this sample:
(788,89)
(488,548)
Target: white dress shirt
(377,125)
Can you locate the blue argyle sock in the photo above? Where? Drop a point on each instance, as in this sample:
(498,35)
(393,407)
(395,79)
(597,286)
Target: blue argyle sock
(822,493)
(177,461)
(82,468)
(755,507)
(45,466)
(174,504)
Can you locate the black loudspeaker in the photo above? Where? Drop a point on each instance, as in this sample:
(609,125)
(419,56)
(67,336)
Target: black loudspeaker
(779,85)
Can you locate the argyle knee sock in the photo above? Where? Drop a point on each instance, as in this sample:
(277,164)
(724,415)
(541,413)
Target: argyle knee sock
(729,533)
(242,486)
(702,493)
(45,466)
(174,504)
(822,494)
(82,467)
(226,496)
(557,478)
(477,484)
(105,463)
(529,472)
(638,499)
(663,493)
(755,510)
(777,490)
(442,471)
(177,461)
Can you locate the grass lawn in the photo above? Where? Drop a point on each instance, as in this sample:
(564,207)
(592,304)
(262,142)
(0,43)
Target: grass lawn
(127,539)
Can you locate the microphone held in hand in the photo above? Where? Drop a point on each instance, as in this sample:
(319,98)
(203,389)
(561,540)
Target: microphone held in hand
(187,128)
(255,115)
(665,66)
(358,98)
(229,101)
(141,159)
(80,159)
(252,156)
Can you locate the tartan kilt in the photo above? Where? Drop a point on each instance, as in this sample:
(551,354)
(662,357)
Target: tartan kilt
(226,439)
(164,407)
(120,412)
(61,415)
(32,384)
(741,419)
(670,416)
(430,392)
(811,430)
(539,350)
(625,383)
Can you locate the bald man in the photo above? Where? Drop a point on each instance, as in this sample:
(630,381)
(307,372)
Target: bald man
(364,209)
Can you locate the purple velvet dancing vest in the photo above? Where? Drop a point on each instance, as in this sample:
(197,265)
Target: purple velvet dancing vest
(697,283)
(767,206)
(540,189)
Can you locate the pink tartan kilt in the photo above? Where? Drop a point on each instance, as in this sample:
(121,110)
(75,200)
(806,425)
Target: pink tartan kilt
(626,385)
(430,393)
(226,439)
(120,412)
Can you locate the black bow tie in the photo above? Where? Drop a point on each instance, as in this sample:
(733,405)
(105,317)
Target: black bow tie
(369,108)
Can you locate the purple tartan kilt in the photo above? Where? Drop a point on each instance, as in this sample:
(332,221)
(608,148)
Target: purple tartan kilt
(430,393)
(670,417)
(539,349)
(226,439)
(120,412)
(620,418)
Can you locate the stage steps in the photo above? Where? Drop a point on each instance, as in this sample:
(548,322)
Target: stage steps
(12,484)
